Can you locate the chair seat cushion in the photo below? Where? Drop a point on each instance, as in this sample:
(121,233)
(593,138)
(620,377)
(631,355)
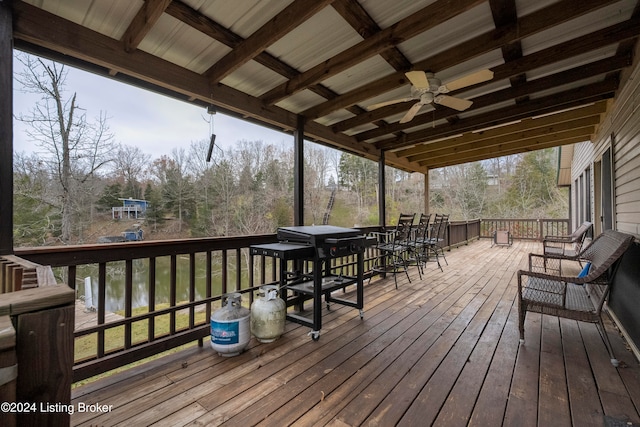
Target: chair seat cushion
(550,250)
(551,293)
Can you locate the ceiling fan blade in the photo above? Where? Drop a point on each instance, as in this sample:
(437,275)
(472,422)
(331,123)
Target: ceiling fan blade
(385,103)
(418,79)
(452,102)
(411,113)
(471,79)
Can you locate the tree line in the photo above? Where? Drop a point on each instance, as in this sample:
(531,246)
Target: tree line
(80,173)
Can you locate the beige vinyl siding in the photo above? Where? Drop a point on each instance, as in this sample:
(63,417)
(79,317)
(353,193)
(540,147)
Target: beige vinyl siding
(622,126)
(623,121)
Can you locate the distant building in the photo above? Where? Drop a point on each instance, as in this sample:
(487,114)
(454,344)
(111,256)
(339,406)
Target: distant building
(493,180)
(130,209)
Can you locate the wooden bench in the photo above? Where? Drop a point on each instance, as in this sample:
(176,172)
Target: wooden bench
(571,296)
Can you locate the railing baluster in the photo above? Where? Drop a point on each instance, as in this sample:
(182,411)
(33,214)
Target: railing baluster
(128,301)
(173,284)
(238,270)
(262,270)
(152,298)
(208,283)
(102,290)
(251,277)
(219,248)
(224,271)
(71,280)
(192,289)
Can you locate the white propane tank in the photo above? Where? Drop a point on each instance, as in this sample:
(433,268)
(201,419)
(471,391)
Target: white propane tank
(230,333)
(268,315)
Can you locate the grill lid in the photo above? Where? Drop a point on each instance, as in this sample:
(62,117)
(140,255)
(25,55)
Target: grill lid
(316,234)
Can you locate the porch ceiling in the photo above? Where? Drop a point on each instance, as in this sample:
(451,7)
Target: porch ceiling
(555,64)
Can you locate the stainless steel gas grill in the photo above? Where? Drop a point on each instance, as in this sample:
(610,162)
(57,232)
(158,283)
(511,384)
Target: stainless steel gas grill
(318,245)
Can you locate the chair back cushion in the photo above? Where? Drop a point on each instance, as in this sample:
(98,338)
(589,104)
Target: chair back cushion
(603,252)
(502,237)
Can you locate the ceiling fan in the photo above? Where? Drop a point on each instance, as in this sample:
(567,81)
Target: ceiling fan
(427,90)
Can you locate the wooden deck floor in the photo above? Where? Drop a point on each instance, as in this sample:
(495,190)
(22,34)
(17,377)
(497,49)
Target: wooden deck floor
(440,351)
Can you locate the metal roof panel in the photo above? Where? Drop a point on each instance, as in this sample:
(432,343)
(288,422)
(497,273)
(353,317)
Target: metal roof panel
(321,37)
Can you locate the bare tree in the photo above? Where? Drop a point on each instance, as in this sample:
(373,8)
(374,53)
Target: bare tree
(176,184)
(315,180)
(34,214)
(131,164)
(72,147)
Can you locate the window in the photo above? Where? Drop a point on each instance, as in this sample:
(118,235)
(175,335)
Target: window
(607,189)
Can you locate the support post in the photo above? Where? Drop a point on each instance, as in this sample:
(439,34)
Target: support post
(426,192)
(44,322)
(8,370)
(298,173)
(382,198)
(6,128)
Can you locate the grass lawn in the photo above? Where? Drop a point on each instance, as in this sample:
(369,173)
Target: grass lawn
(86,346)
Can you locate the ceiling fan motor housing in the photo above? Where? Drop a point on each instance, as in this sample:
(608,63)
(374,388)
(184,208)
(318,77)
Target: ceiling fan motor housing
(432,89)
(434,83)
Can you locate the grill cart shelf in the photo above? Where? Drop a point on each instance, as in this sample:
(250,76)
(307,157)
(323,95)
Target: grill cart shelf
(318,245)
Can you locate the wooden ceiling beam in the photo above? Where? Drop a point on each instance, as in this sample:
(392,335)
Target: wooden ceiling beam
(404,164)
(505,15)
(404,29)
(504,12)
(142,23)
(201,23)
(501,151)
(527,25)
(356,16)
(565,120)
(525,89)
(512,93)
(209,27)
(607,36)
(204,24)
(41,28)
(549,101)
(579,127)
(598,39)
(277,27)
(548,104)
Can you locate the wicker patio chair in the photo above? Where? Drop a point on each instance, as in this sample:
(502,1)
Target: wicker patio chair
(573,297)
(568,245)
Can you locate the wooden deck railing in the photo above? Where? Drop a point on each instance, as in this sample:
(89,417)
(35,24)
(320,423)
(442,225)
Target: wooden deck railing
(462,232)
(8,369)
(36,355)
(228,267)
(16,274)
(527,229)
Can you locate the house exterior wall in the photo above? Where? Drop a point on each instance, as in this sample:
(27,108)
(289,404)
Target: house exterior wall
(621,130)
(620,134)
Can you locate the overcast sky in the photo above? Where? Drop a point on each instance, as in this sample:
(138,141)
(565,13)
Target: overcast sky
(154,123)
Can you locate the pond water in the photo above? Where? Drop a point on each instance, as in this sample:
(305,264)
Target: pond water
(115,281)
